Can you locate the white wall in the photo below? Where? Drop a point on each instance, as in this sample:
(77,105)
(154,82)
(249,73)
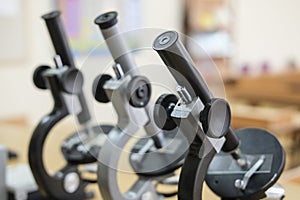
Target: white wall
(166,14)
(18,95)
(267,30)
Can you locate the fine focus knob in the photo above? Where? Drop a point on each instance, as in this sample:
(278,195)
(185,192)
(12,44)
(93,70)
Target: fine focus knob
(139,91)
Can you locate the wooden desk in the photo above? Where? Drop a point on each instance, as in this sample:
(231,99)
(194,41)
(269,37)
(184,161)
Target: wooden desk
(281,88)
(17,138)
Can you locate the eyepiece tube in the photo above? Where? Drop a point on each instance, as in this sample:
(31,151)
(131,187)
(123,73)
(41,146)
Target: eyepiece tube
(117,46)
(175,56)
(58,37)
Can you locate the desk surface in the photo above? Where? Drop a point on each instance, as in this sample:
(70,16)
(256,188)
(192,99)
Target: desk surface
(17,138)
(276,88)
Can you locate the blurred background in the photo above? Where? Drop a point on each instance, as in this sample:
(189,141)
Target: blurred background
(254,44)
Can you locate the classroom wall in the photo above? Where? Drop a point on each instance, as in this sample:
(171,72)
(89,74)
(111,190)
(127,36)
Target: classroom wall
(266,30)
(263,30)
(19,97)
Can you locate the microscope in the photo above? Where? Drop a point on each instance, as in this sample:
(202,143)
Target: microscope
(130,93)
(65,82)
(236,165)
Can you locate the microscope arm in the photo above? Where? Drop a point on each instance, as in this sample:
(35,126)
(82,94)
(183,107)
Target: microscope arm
(107,170)
(43,179)
(193,172)
(51,185)
(48,184)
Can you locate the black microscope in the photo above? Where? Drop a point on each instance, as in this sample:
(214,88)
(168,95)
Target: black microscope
(236,165)
(65,82)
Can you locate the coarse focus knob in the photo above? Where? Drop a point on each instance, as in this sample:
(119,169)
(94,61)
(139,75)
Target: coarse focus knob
(98,90)
(162,111)
(38,78)
(215,118)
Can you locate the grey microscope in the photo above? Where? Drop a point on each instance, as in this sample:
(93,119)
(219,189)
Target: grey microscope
(129,92)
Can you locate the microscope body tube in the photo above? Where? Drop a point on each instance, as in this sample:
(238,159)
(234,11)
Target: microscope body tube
(180,64)
(62,48)
(178,59)
(115,43)
(59,38)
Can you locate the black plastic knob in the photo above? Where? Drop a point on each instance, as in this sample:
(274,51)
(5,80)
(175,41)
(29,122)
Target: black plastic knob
(215,118)
(98,91)
(162,111)
(38,78)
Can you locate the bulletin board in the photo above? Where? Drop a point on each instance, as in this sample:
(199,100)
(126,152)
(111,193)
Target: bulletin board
(78,17)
